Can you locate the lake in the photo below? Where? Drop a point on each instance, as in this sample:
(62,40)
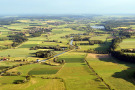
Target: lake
(98,27)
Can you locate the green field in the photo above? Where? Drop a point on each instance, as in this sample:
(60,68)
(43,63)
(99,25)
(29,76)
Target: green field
(40,71)
(72,57)
(80,71)
(128,43)
(76,73)
(116,73)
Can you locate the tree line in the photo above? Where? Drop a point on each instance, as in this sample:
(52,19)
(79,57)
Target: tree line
(56,48)
(120,54)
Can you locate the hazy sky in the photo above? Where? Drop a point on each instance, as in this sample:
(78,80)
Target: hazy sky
(67,6)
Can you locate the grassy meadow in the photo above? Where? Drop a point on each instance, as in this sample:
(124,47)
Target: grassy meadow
(116,73)
(128,43)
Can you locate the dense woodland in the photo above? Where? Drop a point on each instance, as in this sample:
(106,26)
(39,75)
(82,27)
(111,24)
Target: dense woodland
(45,54)
(17,39)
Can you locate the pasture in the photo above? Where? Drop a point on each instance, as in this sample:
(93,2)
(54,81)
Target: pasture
(128,43)
(78,76)
(36,69)
(72,57)
(116,73)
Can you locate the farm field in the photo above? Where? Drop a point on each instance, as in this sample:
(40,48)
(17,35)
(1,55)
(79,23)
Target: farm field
(77,75)
(113,72)
(7,64)
(97,47)
(35,83)
(100,37)
(128,43)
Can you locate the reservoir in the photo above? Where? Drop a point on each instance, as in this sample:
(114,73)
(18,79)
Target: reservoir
(98,27)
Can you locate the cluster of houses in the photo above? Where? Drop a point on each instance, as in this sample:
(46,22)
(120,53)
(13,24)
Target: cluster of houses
(4,59)
(31,30)
(37,29)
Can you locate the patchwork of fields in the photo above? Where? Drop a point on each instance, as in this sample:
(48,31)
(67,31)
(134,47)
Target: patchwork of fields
(80,70)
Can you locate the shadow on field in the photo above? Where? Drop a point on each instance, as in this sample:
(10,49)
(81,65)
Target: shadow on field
(32,54)
(103,47)
(127,74)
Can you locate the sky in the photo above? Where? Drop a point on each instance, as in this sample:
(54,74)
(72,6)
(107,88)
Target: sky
(67,7)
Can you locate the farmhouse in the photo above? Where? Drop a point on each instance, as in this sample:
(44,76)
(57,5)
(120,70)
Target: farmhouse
(4,59)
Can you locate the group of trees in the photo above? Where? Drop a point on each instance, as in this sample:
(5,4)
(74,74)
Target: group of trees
(96,51)
(128,50)
(52,41)
(115,43)
(11,74)
(120,54)
(17,39)
(78,38)
(27,78)
(66,36)
(59,61)
(37,34)
(110,24)
(45,54)
(126,34)
(56,48)
(92,42)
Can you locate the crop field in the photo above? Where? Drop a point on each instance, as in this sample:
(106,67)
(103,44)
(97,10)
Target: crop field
(100,37)
(7,64)
(128,43)
(31,69)
(18,26)
(19,52)
(35,83)
(97,47)
(78,76)
(114,72)
(40,71)
(72,57)
(4,31)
